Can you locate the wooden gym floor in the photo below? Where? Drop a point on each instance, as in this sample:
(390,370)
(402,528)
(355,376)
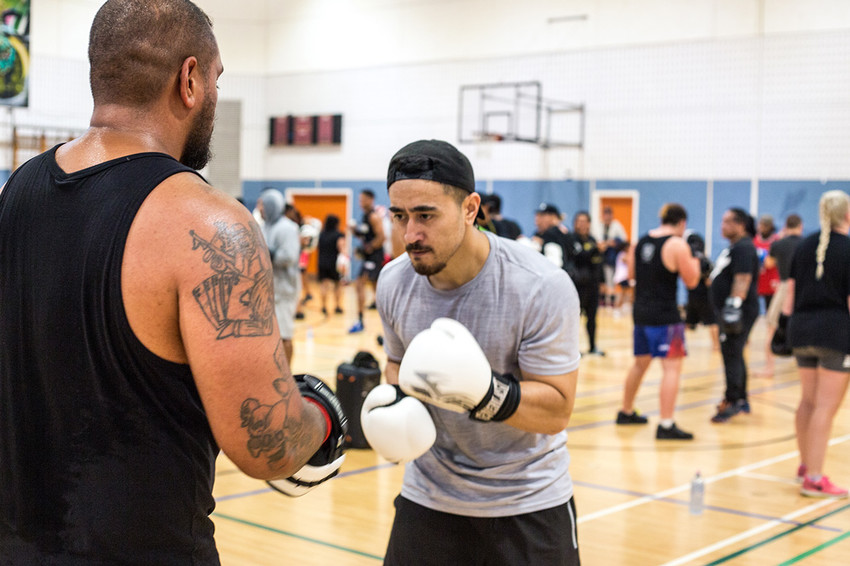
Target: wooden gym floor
(631,491)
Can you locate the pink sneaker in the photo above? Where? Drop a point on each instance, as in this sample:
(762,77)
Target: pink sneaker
(801,473)
(822,488)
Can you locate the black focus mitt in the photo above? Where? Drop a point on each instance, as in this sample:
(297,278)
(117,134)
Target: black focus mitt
(327,460)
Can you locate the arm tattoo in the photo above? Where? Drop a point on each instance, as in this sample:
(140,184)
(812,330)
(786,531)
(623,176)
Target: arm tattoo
(270,427)
(238,297)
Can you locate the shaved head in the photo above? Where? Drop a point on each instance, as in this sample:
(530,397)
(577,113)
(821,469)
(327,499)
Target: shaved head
(136,48)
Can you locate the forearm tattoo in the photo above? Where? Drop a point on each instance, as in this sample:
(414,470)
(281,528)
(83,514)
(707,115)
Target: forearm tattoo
(271,429)
(238,297)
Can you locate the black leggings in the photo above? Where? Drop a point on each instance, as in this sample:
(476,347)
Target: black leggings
(588,296)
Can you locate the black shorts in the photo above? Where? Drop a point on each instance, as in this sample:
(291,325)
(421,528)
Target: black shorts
(372,265)
(328,273)
(424,537)
(813,356)
(700,312)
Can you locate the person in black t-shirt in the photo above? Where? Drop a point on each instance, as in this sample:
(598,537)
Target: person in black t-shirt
(699,309)
(781,252)
(331,248)
(585,259)
(819,333)
(551,235)
(504,227)
(733,294)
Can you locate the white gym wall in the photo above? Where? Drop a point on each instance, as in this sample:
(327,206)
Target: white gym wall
(674,89)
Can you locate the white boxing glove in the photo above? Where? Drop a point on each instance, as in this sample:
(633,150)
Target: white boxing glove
(396,426)
(444,366)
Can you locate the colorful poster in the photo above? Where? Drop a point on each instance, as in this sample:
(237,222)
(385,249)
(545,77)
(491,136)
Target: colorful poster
(14,52)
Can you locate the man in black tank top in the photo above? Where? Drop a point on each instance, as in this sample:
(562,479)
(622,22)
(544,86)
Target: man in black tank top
(370,232)
(656,262)
(138,325)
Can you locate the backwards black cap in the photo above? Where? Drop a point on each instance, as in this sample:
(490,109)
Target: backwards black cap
(432,160)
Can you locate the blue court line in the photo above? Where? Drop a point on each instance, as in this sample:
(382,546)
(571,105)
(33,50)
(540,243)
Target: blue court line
(777,536)
(708,507)
(299,537)
(695,404)
(268,489)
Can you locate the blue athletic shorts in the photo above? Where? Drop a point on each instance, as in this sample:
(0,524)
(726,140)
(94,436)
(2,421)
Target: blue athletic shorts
(666,341)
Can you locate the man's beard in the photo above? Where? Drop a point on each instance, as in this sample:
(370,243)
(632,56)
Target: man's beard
(421,268)
(196,152)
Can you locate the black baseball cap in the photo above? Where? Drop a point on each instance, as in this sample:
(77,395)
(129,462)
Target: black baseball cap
(432,160)
(546,208)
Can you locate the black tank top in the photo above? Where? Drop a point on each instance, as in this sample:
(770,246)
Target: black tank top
(655,301)
(106,455)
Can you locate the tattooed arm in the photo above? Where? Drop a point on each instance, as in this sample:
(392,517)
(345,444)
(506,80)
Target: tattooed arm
(198,289)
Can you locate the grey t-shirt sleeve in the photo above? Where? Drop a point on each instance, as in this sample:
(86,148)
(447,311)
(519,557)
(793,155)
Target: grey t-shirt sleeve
(550,344)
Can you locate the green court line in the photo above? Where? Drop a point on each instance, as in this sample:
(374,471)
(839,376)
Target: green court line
(816,549)
(300,537)
(777,536)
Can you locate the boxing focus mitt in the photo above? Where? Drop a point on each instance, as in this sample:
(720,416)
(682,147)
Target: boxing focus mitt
(779,343)
(731,317)
(444,366)
(327,460)
(396,426)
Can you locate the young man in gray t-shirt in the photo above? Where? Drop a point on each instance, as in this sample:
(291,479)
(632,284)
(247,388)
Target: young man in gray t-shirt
(495,483)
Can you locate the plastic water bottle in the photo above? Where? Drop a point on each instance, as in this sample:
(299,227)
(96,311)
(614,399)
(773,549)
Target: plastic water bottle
(697,494)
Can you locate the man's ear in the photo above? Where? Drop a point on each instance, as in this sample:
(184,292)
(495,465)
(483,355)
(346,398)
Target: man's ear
(470,207)
(189,81)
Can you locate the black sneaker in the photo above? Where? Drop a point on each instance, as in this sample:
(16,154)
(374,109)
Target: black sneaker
(672,433)
(727,410)
(634,418)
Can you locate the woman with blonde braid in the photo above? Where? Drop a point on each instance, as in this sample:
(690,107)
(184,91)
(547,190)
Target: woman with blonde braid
(819,333)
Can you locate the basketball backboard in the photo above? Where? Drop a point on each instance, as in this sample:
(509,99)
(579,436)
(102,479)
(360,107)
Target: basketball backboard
(518,112)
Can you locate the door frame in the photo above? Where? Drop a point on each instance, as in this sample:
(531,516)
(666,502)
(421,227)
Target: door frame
(596,210)
(290,194)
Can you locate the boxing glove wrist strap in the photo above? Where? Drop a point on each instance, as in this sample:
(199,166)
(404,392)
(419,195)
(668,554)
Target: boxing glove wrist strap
(324,412)
(501,401)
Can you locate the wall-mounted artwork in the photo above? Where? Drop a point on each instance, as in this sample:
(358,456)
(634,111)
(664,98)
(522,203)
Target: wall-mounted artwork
(14,52)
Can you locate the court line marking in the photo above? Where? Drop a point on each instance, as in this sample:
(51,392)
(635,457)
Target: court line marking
(768,477)
(816,549)
(715,508)
(747,534)
(708,480)
(340,475)
(685,406)
(297,536)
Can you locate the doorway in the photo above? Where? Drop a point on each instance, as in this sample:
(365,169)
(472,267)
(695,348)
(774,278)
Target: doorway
(623,203)
(318,203)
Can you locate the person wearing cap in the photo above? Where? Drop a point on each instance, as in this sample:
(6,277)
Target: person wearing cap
(466,310)
(585,261)
(551,235)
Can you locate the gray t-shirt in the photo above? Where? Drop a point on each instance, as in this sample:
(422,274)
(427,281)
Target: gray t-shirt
(524,312)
